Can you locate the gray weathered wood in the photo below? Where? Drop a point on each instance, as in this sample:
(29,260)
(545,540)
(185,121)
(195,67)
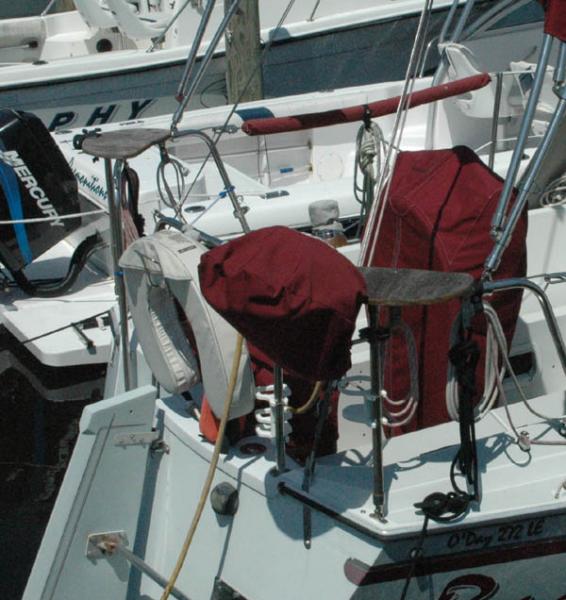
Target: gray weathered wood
(243,53)
(124,144)
(406,287)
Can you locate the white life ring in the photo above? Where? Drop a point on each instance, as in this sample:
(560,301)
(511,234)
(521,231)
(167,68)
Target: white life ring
(160,273)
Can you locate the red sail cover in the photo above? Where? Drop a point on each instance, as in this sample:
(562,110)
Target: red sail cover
(555,18)
(438,217)
(292,296)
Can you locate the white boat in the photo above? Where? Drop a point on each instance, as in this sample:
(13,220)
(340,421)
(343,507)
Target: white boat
(149,508)
(277,176)
(99,64)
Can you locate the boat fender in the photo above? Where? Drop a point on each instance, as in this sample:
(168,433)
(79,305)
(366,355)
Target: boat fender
(160,274)
(224,499)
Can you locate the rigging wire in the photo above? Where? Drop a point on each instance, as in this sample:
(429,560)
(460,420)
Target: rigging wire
(500,337)
(221,130)
(384,182)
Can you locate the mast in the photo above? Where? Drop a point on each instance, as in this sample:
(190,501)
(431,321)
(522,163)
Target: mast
(243,54)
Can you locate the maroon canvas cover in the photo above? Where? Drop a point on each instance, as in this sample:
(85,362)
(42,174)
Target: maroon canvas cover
(555,18)
(292,296)
(438,217)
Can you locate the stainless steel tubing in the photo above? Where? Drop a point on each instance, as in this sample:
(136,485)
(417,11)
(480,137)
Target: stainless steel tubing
(527,284)
(203,65)
(499,216)
(114,213)
(229,188)
(142,566)
(495,118)
(192,58)
(504,236)
(279,419)
(376,348)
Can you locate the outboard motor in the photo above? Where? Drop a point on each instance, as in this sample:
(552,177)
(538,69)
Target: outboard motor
(36,183)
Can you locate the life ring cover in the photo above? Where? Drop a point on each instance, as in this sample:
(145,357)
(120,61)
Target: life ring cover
(292,296)
(160,273)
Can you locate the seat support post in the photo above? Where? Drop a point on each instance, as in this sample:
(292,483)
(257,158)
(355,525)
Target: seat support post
(377,337)
(114,211)
(279,420)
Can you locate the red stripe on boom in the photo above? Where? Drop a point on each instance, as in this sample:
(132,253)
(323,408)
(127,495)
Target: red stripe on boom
(357,113)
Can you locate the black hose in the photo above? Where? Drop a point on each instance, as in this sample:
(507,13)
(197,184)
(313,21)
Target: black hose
(50,288)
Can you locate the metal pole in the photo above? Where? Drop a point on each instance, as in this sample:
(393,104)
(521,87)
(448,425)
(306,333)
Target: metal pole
(499,216)
(495,118)
(142,566)
(239,213)
(162,35)
(191,59)
(279,419)
(375,356)
(520,283)
(457,33)
(114,212)
(492,263)
(203,66)
(47,8)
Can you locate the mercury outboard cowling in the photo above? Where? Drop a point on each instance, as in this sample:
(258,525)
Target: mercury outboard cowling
(35,183)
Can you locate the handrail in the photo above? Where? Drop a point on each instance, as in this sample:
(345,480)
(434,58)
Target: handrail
(358,113)
(239,212)
(502,285)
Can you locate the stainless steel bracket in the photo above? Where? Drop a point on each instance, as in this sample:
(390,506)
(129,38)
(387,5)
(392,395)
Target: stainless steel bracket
(113,543)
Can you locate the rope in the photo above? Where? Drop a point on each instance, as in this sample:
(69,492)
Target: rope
(555,193)
(384,183)
(415,555)
(407,406)
(310,402)
(492,372)
(165,192)
(57,218)
(370,153)
(211,470)
(500,337)
(69,326)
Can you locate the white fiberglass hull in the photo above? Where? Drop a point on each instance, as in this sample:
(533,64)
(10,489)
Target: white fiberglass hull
(509,546)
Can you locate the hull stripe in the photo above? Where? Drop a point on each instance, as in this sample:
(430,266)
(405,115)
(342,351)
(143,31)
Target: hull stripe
(362,574)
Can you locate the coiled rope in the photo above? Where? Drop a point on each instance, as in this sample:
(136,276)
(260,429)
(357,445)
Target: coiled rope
(492,372)
(496,348)
(370,154)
